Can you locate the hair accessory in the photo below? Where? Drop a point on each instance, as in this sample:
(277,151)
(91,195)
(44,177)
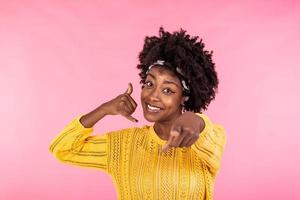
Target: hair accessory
(183,82)
(184,85)
(158,62)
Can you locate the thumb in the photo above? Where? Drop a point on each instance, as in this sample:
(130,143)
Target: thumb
(129,89)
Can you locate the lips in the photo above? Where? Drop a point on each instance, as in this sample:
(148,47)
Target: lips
(152,108)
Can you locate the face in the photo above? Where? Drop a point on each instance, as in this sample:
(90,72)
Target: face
(161,96)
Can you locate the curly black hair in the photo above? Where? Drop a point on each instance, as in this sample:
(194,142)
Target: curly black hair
(181,50)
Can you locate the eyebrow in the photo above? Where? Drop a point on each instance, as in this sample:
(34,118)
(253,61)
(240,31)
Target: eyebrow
(168,82)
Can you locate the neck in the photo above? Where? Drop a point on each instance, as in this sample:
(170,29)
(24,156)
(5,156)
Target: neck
(163,128)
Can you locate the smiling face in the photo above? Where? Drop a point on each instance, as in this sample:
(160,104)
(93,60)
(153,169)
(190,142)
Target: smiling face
(161,96)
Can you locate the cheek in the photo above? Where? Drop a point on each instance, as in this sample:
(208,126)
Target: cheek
(144,95)
(172,102)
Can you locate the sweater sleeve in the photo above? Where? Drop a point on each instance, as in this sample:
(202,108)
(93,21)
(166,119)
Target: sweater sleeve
(210,144)
(75,145)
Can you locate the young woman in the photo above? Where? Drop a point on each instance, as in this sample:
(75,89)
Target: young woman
(178,157)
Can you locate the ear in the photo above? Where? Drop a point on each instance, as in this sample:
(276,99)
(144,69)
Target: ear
(182,100)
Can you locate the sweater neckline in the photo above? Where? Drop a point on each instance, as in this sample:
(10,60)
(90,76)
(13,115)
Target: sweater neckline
(155,137)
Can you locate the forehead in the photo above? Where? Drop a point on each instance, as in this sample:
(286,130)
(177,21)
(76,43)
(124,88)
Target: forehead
(163,73)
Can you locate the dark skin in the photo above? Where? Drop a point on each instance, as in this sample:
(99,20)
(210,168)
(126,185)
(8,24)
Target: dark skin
(163,89)
(163,92)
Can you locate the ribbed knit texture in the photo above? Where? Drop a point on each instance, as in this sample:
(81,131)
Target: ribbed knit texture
(139,171)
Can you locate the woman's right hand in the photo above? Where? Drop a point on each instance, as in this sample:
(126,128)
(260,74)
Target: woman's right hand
(123,105)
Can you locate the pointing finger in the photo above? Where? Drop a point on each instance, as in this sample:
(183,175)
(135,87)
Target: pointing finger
(167,145)
(177,141)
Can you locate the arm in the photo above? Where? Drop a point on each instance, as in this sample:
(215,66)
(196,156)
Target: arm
(76,146)
(210,144)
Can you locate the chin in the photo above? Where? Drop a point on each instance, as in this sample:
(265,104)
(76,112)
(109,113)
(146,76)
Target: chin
(149,117)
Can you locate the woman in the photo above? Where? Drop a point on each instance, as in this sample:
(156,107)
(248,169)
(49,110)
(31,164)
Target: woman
(176,158)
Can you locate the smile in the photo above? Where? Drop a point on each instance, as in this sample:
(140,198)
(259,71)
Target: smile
(153,108)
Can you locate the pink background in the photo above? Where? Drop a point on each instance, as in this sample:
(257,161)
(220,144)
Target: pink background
(60,59)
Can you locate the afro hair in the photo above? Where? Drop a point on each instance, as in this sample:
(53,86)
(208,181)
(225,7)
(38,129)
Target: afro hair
(181,50)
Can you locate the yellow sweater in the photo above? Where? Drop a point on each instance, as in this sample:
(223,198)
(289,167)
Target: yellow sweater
(139,171)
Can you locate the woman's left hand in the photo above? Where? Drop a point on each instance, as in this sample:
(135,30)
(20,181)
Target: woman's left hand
(185,131)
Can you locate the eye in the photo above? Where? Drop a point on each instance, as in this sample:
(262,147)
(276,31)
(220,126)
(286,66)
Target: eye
(168,91)
(147,84)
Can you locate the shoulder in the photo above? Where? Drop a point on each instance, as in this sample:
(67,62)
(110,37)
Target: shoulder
(220,133)
(211,126)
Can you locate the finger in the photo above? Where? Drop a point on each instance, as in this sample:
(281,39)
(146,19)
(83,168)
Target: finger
(167,146)
(128,104)
(124,110)
(178,140)
(132,101)
(176,131)
(191,141)
(186,141)
(130,118)
(129,89)
(190,134)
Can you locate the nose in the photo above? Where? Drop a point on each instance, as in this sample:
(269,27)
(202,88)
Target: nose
(154,95)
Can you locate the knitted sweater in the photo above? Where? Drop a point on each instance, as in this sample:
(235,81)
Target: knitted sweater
(138,169)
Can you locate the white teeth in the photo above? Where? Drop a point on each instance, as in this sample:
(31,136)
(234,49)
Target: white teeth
(153,108)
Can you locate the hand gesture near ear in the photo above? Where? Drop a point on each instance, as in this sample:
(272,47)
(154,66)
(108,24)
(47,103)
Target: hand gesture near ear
(123,105)
(185,131)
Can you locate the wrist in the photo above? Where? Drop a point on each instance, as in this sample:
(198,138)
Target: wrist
(103,110)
